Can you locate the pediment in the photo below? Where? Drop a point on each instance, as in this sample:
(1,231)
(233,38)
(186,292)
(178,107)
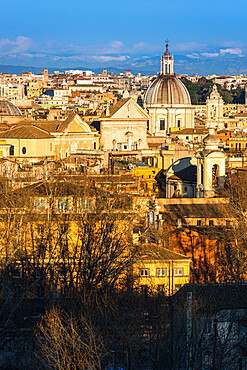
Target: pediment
(130,110)
(75,124)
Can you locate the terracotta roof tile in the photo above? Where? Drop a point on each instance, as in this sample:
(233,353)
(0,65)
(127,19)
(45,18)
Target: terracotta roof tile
(64,124)
(114,108)
(156,253)
(25,132)
(49,126)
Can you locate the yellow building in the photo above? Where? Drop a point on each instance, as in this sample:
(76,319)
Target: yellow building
(34,89)
(146,177)
(65,225)
(26,141)
(70,135)
(33,140)
(238,143)
(160,269)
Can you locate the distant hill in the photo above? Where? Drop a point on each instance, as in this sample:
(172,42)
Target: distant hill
(18,69)
(147,65)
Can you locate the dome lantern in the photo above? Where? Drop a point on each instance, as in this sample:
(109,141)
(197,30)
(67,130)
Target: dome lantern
(167,62)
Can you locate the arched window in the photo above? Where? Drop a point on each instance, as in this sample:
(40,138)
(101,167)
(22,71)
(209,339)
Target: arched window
(215,175)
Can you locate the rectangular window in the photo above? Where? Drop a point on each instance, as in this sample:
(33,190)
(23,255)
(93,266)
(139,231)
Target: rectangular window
(64,229)
(209,326)
(40,230)
(228,223)
(12,150)
(161,288)
(211,223)
(161,272)
(162,124)
(198,223)
(63,204)
(144,289)
(62,272)
(86,204)
(17,273)
(40,204)
(178,271)
(144,272)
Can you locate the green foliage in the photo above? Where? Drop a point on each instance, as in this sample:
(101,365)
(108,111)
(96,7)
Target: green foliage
(201,90)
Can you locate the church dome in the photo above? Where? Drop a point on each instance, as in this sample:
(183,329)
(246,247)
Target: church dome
(167,89)
(9,109)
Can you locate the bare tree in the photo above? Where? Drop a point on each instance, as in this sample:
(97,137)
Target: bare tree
(69,343)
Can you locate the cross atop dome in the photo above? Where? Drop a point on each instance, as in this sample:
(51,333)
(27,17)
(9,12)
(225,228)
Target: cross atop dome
(167,53)
(167,61)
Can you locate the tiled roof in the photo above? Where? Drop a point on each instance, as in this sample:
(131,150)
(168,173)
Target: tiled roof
(156,253)
(214,297)
(64,124)
(49,126)
(25,132)
(200,210)
(114,108)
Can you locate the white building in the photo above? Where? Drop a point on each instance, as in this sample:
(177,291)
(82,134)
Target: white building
(168,101)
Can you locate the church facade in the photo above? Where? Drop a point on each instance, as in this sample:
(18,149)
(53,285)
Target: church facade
(124,127)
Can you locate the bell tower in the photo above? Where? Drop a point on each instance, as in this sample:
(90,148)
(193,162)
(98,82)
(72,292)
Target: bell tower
(215,108)
(210,165)
(167,62)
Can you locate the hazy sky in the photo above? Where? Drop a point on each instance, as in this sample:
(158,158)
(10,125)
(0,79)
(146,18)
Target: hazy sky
(112,27)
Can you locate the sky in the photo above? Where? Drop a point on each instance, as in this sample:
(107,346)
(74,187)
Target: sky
(111,30)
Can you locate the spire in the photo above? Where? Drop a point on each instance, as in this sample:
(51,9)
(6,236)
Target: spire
(167,62)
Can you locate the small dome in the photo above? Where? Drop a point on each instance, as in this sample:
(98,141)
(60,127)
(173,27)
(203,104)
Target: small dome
(9,109)
(211,141)
(167,90)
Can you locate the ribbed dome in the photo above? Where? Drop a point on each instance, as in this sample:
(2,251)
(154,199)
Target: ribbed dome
(167,90)
(8,109)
